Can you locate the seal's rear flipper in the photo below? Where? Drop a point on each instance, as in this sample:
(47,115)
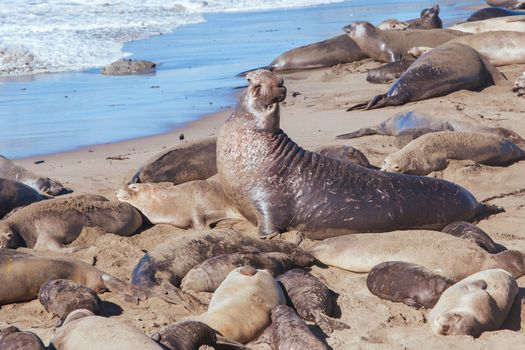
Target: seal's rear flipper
(243,74)
(358,133)
(486,210)
(328,324)
(130,292)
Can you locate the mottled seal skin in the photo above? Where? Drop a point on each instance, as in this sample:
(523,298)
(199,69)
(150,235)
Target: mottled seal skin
(390,46)
(492,12)
(208,275)
(429,19)
(438,73)
(410,284)
(361,252)
(279,186)
(11,338)
(186,335)
(508,23)
(196,204)
(187,162)
(312,300)
(512,4)
(476,304)
(345,154)
(22,275)
(11,171)
(60,297)
(14,194)
(389,72)
(469,231)
(88,332)
(52,224)
(433,151)
(240,308)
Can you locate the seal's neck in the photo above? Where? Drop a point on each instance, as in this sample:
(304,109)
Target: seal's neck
(256,116)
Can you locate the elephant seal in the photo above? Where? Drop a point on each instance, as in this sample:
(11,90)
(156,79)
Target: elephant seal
(390,46)
(389,72)
(393,24)
(11,171)
(14,194)
(345,154)
(492,12)
(409,135)
(510,23)
(469,231)
(312,300)
(443,70)
(182,163)
(197,204)
(410,284)
(186,335)
(51,224)
(279,186)
(512,4)
(361,252)
(96,332)
(22,275)
(433,151)
(208,275)
(60,297)
(478,303)
(429,19)
(240,308)
(11,338)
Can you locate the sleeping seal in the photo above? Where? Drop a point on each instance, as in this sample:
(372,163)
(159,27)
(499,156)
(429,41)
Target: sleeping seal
(511,4)
(492,12)
(14,194)
(510,23)
(11,338)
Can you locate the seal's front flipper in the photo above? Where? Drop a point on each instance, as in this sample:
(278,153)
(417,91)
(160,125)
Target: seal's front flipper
(171,294)
(358,106)
(130,292)
(328,324)
(358,133)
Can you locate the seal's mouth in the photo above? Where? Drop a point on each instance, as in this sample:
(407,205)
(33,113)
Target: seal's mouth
(349,28)
(122,194)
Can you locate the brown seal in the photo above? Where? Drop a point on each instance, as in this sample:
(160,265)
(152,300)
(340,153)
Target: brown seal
(60,297)
(478,303)
(438,73)
(389,72)
(492,12)
(186,335)
(411,284)
(469,231)
(14,194)
(11,338)
(22,275)
(208,275)
(429,19)
(281,187)
(51,224)
(182,163)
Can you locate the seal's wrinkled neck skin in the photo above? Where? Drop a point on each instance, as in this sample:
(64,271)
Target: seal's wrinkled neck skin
(259,103)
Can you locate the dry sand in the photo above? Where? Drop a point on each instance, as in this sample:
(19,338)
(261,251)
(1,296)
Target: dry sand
(312,118)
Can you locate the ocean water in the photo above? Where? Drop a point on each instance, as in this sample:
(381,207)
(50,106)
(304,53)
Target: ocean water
(52,97)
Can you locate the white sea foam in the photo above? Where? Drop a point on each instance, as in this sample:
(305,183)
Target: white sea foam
(39,36)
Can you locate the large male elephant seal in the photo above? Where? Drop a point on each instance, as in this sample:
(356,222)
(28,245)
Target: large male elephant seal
(508,23)
(22,275)
(280,187)
(429,19)
(11,338)
(9,170)
(361,252)
(433,152)
(512,4)
(492,12)
(54,223)
(443,70)
(14,194)
(390,46)
(478,303)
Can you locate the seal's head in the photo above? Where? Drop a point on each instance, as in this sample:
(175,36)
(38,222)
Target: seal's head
(394,163)
(430,12)
(8,237)
(457,323)
(360,29)
(130,192)
(51,187)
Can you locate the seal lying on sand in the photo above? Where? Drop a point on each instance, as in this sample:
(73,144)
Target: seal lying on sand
(443,70)
(196,204)
(281,187)
(492,12)
(22,275)
(240,308)
(433,151)
(478,303)
(512,4)
(429,19)
(11,338)
(389,72)
(361,252)
(410,284)
(390,46)
(187,162)
(54,223)
(11,171)
(186,335)
(14,194)
(469,231)
(510,23)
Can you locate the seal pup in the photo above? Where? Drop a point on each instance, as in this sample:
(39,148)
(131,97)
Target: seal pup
(433,151)
(14,194)
(492,12)
(280,187)
(52,224)
(361,252)
(9,170)
(60,297)
(87,332)
(389,72)
(182,163)
(429,19)
(443,70)
(509,23)
(208,275)
(478,303)
(22,275)
(469,231)
(410,284)
(11,338)
(197,204)
(312,300)
(512,4)
(390,46)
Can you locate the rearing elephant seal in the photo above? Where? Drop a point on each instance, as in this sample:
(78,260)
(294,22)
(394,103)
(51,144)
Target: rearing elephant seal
(14,194)
(280,186)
